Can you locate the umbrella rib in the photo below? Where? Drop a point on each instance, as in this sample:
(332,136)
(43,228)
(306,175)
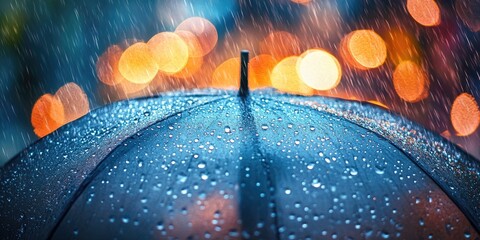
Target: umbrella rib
(102,164)
(470,217)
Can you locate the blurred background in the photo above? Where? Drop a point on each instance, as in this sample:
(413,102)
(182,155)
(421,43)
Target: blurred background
(415,58)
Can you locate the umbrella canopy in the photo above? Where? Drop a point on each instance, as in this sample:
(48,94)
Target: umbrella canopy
(265,165)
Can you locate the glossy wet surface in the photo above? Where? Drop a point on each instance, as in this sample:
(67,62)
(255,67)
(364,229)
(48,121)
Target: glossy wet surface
(218,167)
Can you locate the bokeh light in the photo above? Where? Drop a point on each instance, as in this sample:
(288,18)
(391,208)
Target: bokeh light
(364,49)
(107,66)
(301,1)
(280,45)
(170,52)
(259,71)
(74,101)
(319,70)
(137,64)
(402,46)
(425,12)
(195,52)
(410,81)
(47,115)
(204,30)
(285,77)
(465,115)
(40,53)
(227,74)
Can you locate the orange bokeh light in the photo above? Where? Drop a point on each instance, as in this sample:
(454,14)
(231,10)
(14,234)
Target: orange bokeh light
(286,79)
(204,30)
(137,64)
(402,46)
(363,49)
(74,101)
(301,1)
(410,81)
(425,12)
(259,70)
(280,45)
(47,115)
(227,74)
(465,115)
(107,66)
(170,52)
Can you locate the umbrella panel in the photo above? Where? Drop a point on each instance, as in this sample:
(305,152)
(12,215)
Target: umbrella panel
(37,184)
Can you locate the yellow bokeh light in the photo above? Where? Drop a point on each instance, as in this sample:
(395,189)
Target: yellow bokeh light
(410,81)
(364,49)
(319,70)
(195,59)
(465,114)
(170,52)
(425,12)
(74,101)
(47,115)
(286,79)
(204,30)
(137,64)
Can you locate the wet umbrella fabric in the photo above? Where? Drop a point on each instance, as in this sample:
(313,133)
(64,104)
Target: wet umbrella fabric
(214,165)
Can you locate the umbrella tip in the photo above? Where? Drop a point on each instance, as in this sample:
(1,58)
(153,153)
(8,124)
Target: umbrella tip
(243,91)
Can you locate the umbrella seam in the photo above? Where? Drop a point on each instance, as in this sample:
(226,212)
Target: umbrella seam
(266,168)
(100,165)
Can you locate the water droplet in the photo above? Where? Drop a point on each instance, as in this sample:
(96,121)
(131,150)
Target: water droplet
(201,165)
(288,191)
(182,178)
(379,170)
(264,126)
(421,222)
(310,166)
(353,172)
(316,183)
(160,226)
(227,129)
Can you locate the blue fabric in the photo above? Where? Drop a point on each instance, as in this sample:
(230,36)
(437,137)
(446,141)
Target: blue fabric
(270,167)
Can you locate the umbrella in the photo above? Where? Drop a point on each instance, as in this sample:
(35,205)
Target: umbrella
(221,165)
